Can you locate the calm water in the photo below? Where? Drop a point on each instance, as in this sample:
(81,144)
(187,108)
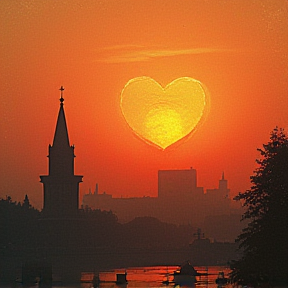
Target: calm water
(153,277)
(144,277)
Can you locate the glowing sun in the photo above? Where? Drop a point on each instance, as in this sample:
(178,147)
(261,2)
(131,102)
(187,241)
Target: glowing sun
(163,116)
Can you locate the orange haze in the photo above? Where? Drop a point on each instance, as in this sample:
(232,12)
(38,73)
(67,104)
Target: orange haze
(237,49)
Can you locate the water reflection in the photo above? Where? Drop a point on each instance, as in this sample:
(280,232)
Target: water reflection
(155,276)
(150,277)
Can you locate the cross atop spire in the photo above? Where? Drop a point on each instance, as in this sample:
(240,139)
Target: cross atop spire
(61,138)
(61,95)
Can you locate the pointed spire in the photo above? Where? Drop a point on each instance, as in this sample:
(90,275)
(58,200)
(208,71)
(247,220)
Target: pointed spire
(61,133)
(223,176)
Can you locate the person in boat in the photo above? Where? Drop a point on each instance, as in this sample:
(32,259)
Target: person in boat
(187,269)
(186,275)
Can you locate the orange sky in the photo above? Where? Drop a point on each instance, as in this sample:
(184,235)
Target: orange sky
(237,49)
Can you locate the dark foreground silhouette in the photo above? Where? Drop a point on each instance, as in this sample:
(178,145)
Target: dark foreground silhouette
(264,240)
(94,240)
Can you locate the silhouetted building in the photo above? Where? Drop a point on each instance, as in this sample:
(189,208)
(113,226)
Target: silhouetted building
(223,186)
(222,191)
(219,197)
(178,183)
(126,209)
(61,186)
(179,201)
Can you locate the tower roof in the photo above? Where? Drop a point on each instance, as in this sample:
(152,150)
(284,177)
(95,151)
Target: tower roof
(61,133)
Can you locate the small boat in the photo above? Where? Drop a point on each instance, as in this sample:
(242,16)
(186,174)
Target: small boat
(186,275)
(221,279)
(180,279)
(121,278)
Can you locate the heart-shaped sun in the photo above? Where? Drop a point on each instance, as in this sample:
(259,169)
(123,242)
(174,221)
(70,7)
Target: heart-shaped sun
(163,116)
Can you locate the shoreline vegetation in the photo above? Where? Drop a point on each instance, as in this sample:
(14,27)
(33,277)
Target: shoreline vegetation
(264,261)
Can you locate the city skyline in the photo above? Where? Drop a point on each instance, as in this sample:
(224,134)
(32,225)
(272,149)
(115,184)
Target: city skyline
(238,50)
(214,211)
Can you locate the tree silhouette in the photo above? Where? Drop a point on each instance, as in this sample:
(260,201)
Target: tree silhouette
(264,240)
(18,225)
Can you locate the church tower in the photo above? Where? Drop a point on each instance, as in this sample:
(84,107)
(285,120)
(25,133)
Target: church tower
(61,186)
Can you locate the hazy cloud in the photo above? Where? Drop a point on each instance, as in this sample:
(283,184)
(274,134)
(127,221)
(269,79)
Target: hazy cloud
(137,53)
